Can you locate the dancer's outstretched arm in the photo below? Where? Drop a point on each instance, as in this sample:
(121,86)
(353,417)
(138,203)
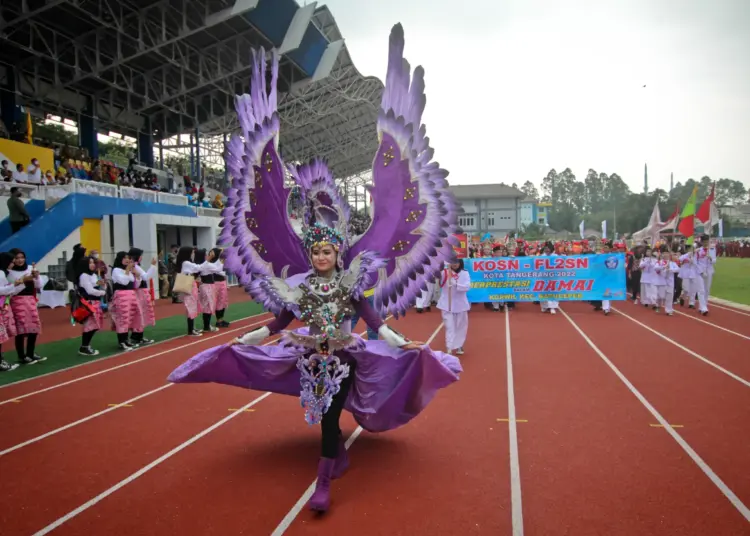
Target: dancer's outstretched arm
(258,335)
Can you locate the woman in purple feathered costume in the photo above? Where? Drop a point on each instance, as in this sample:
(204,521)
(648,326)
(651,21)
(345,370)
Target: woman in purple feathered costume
(272,254)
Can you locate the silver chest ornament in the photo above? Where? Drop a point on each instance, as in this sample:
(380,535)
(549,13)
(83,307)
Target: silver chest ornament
(324,306)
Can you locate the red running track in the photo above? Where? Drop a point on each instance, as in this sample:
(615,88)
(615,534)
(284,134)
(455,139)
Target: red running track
(590,463)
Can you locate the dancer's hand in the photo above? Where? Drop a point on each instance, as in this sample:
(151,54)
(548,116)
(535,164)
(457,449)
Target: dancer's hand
(234,342)
(413,345)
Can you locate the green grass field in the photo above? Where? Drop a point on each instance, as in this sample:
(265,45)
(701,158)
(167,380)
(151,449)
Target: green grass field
(732,280)
(64,354)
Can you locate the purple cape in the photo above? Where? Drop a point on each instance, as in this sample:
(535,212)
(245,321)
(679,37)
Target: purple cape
(390,388)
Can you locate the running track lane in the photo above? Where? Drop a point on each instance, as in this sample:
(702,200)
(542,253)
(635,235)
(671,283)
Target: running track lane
(733,319)
(710,406)
(248,461)
(446,472)
(725,349)
(590,463)
(39,414)
(87,367)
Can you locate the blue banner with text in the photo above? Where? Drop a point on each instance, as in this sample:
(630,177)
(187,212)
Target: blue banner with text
(542,278)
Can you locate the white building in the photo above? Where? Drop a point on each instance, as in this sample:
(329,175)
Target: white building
(488,208)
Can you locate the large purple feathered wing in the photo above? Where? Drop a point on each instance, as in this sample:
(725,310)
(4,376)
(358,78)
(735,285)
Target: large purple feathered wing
(415,214)
(259,238)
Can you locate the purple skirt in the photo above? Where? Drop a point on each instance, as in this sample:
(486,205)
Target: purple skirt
(390,388)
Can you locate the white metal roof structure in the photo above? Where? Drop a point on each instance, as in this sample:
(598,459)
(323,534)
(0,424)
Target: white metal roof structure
(169,67)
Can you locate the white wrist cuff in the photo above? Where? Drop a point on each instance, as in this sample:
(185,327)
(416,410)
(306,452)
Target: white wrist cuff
(255,336)
(391,337)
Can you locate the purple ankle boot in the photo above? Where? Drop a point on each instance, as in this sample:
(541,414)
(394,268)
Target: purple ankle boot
(321,497)
(342,460)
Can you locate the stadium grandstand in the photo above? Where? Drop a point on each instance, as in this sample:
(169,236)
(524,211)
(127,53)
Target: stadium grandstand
(162,75)
(165,72)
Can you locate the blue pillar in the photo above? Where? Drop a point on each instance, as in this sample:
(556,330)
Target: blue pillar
(198,155)
(87,137)
(146,144)
(9,108)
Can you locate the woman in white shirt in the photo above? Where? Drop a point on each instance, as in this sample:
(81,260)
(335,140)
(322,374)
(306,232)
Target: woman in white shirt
(186,266)
(91,289)
(454,305)
(147,316)
(124,307)
(221,290)
(23,305)
(7,321)
(206,290)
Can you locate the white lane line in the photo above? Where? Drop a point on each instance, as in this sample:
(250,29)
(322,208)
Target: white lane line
(153,464)
(515,468)
(300,504)
(685,349)
(129,363)
(729,305)
(718,482)
(81,421)
(120,354)
(714,325)
(93,416)
(70,515)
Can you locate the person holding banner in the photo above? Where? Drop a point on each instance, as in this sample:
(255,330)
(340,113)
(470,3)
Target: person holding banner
(549,305)
(454,305)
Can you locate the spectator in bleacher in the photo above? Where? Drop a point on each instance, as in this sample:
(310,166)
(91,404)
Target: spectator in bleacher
(34,173)
(17,214)
(6,173)
(19,175)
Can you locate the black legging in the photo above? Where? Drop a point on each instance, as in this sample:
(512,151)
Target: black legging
(30,345)
(206,321)
(635,283)
(87,337)
(329,427)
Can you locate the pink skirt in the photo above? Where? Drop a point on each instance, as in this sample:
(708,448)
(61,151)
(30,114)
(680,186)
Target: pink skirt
(222,295)
(26,315)
(147,316)
(124,311)
(192,305)
(207,298)
(96,320)
(7,323)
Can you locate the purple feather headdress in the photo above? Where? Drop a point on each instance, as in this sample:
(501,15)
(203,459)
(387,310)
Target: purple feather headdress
(415,215)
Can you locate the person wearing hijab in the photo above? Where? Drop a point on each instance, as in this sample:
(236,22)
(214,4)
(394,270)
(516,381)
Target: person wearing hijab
(7,321)
(207,288)
(23,305)
(186,265)
(91,289)
(221,291)
(71,267)
(147,315)
(124,307)
(454,305)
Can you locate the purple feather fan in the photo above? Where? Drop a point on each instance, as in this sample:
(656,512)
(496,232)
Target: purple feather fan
(415,214)
(256,230)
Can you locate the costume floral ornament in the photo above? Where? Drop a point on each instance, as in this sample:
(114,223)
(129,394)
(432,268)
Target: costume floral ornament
(404,248)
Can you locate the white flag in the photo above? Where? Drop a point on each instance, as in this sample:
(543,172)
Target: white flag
(604,229)
(580,228)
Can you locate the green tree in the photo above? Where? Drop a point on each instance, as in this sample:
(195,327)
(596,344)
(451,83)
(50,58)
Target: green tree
(530,190)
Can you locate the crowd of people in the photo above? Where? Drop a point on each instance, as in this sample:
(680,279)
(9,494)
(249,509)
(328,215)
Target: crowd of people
(125,291)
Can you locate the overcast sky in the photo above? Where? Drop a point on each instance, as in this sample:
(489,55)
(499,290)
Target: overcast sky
(516,87)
